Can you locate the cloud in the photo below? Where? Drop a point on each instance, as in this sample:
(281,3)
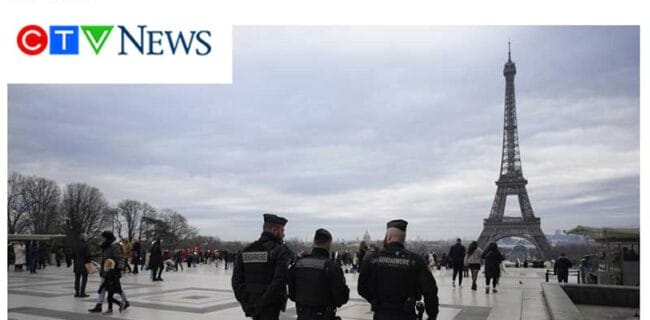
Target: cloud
(348,127)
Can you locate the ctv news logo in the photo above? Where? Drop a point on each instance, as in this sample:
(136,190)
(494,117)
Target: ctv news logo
(140,40)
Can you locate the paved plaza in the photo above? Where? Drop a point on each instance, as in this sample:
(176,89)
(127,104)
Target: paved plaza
(204,293)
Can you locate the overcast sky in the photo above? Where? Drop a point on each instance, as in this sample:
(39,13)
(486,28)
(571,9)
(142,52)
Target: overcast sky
(348,127)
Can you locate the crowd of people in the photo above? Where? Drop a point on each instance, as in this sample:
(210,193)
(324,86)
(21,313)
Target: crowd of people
(116,258)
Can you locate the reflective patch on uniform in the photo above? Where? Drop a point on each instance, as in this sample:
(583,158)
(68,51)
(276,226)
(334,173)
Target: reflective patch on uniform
(311,263)
(394,261)
(255,257)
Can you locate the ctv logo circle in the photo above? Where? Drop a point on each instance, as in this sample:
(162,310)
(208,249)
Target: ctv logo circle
(32,40)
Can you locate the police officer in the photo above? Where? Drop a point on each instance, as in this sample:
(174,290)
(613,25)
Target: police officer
(316,283)
(259,278)
(394,279)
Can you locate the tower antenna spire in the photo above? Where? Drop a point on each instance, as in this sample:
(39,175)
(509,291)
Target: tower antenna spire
(509,50)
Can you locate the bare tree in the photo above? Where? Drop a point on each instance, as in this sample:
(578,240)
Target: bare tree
(82,208)
(178,226)
(17,213)
(42,198)
(131,213)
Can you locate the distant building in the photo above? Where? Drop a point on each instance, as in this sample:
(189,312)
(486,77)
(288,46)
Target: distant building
(366,237)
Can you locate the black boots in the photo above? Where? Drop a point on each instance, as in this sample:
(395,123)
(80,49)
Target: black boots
(97,308)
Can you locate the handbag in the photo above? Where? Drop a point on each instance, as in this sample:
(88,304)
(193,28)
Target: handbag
(90,268)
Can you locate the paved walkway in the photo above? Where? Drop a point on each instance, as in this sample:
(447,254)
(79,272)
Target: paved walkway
(204,293)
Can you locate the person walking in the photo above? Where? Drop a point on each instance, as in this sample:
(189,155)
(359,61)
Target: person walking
(33,256)
(81,257)
(112,285)
(136,250)
(19,256)
(178,260)
(59,256)
(259,277)
(156,261)
(361,254)
(561,266)
(473,261)
(126,255)
(457,256)
(493,259)
(316,283)
(113,251)
(394,279)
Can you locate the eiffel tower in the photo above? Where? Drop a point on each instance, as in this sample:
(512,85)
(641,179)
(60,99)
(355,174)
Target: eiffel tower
(511,182)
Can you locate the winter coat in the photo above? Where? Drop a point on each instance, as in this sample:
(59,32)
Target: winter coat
(156,257)
(111,251)
(19,251)
(126,250)
(111,282)
(457,254)
(473,258)
(562,266)
(493,259)
(136,250)
(81,256)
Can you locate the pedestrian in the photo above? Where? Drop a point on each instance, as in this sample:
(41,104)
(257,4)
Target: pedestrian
(585,269)
(493,259)
(19,256)
(33,256)
(69,253)
(126,255)
(361,254)
(156,264)
(189,259)
(136,251)
(561,266)
(59,256)
(316,283)
(473,261)
(42,256)
(113,251)
(178,259)
(112,285)
(394,279)
(259,278)
(457,256)
(81,257)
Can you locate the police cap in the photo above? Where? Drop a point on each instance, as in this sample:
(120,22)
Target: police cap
(273,219)
(398,223)
(322,235)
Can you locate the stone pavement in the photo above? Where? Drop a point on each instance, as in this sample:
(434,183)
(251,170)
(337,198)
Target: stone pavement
(204,293)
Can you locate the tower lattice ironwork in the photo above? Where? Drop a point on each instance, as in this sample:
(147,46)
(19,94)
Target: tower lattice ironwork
(512,182)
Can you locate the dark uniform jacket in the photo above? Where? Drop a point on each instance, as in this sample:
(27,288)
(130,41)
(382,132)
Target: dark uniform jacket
(317,285)
(259,278)
(393,280)
(81,256)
